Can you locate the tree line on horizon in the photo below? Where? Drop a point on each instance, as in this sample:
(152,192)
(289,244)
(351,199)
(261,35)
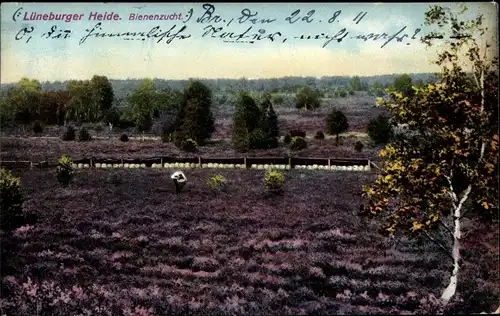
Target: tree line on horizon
(327,85)
(184,117)
(96,99)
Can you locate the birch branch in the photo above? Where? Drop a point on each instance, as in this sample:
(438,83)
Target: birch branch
(462,200)
(446,226)
(452,194)
(373,164)
(443,248)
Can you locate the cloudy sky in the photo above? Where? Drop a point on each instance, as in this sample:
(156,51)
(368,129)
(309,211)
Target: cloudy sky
(206,57)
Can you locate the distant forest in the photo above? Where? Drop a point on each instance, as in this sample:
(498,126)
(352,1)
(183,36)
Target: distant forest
(326,85)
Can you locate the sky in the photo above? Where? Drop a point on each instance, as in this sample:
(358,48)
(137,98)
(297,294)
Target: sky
(50,59)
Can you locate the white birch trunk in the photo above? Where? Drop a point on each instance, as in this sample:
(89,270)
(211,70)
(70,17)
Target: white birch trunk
(457,235)
(452,286)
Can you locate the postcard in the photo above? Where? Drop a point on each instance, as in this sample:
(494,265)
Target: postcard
(249,158)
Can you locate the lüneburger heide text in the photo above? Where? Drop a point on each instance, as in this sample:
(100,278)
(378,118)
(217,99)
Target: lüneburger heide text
(97,16)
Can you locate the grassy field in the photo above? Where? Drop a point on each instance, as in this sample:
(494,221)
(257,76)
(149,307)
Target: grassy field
(121,242)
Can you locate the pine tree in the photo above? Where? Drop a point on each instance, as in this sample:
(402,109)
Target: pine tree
(336,123)
(250,111)
(272,117)
(269,124)
(240,135)
(196,118)
(246,119)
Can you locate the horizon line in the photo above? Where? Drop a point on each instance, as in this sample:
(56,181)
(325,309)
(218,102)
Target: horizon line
(222,78)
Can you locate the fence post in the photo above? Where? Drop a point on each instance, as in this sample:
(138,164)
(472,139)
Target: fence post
(199,161)
(245,162)
(329,162)
(161,161)
(290,162)
(91,165)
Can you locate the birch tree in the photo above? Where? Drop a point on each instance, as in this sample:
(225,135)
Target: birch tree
(449,166)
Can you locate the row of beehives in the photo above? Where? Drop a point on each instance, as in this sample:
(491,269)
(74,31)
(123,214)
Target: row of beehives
(226,166)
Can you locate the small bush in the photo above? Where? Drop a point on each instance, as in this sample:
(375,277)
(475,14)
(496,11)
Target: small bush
(124,138)
(319,135)
(69,134)
(351,92)
(358,146)
(274,180)
(287,139)
(217,182)
(11,200)
(189,145)
(298,143)
(64,170)
(37,128)
(83,135)
(297,133)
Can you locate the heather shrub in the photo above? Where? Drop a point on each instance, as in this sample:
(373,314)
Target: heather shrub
(358,146)
(64,170)
(124,138)
(56,299)
(83,135)
(298,143)
(274,180)
(297,133)
(217,182)
(37,128)
(11,212)
(189,145)
(69,134)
